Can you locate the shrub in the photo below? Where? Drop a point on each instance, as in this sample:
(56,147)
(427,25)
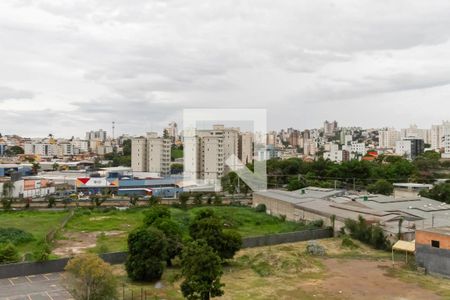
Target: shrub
(348,243)
(15,236)
(316,223)
(147,252)
(8,254)
(261,208)
(42,251)
(315,249)
(370,234)
(91,278)
(154,213)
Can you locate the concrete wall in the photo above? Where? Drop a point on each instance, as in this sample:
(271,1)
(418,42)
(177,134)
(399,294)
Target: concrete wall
(282,238)
(435,261)
(51,266)
(425,238)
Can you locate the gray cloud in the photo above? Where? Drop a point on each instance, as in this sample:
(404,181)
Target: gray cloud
(84,64)
(8,93)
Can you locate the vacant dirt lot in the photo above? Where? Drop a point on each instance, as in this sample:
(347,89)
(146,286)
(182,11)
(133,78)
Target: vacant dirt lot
(363,279)
(79,242)
(286,272)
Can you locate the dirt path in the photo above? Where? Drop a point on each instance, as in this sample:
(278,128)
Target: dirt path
(79,242)
(363,279)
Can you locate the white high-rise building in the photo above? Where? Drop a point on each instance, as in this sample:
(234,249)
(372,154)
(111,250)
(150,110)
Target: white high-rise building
(99,135)
(206,152)
(172,131)
(437,135)
(151,154)
(413,132)
(446,141)
(388,137)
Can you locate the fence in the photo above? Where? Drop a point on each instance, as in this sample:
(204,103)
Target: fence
(52,233)
(57,265)
(283,238)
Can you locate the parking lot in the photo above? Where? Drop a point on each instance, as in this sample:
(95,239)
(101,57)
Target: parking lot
(34,287)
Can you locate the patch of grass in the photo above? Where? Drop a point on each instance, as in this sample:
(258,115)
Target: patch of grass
(38,223)
(245,220)
(440,286)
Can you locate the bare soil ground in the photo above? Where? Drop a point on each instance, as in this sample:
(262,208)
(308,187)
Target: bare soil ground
(80,242)
(285,272)
(364,279)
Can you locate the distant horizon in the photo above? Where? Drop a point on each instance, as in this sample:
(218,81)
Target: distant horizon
(160,131)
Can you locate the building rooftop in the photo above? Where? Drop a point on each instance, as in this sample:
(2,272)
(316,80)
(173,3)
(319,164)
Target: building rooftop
(413,185)
(440,230)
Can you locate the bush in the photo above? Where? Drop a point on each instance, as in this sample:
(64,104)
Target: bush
(15,236)
(316,223)
(154,213)
(348,243)
(370,234)
(147,252)
(315,249)
(91,278)
(382,186)
(261,208)
(42,251)
(9,254)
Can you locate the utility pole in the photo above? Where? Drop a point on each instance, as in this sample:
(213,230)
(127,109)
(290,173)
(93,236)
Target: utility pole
(113,128)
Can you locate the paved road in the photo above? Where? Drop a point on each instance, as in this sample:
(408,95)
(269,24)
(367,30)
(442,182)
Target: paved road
(34,287)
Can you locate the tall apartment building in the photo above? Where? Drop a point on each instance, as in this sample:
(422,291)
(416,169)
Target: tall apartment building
(413,132)
(446,141)
(41,149)
(437,135)
(388,138)
(246,148)
(99,135)
(172,131)
(207,151)
(411,148)
(151,154)
(329,128)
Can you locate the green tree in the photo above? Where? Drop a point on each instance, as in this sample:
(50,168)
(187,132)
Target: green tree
(160,218)
(14,151)
(207,226)
(147,253)
(184,198)
(440,192)
(202,270)
(382,187)
(126,146)
(51,201)
(90,278)
(155,213)
(176,168)
(296,184)
(9,254)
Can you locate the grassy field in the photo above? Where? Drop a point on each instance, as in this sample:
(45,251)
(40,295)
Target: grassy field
(35,222)
(115,225)
(287,272)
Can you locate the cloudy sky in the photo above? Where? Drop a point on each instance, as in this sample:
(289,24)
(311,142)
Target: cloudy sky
(69,66)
